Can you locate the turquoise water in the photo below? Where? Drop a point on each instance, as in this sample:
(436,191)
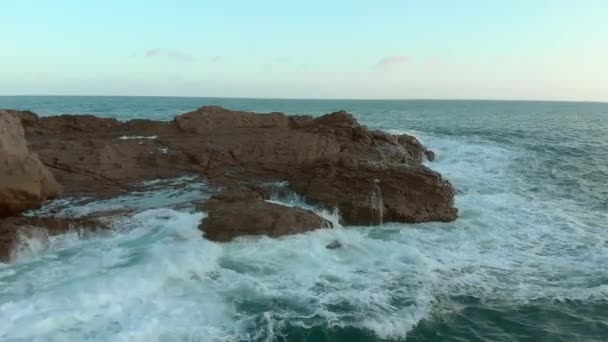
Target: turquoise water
(527,261)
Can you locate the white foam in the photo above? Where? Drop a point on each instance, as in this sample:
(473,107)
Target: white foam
(137,137)
(154,193)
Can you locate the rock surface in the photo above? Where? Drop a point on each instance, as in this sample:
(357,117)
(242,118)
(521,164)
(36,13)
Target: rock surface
(214,119)
(370,176)
(236,213)
(371,193)
(25,183)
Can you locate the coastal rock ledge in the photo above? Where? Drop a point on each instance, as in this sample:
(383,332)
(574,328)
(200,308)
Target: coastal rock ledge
(370,176)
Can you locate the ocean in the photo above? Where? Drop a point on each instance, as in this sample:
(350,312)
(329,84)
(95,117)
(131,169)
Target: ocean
(526,261)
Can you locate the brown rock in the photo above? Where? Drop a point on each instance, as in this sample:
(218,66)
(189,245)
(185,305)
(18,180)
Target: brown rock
(370,193)
(66,124)
(340,119)
(237,213)
(414,148)
(370,176)
(216,119)
(28,118)
(25,183)
(331,159)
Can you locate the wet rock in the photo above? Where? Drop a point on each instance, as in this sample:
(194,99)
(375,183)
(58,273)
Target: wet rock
(236,213)
(413,146)
(430,155)
(410,193)
(330,159)
(25,183)
(334,245)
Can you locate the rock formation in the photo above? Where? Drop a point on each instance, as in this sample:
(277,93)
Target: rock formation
(370,176)
(24,182)
(410,192)
(236,213)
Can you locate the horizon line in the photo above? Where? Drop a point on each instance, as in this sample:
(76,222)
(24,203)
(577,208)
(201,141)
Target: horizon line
(316,99)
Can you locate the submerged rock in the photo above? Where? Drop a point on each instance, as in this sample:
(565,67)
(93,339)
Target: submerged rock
(334,245)
(25,183)
(236,213)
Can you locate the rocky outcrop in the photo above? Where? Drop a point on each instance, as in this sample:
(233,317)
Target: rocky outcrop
(368,193)
(214,119)
(370,176)
(25,116)
(236,213)
(25,183)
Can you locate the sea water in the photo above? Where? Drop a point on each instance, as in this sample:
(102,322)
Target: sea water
(526,261)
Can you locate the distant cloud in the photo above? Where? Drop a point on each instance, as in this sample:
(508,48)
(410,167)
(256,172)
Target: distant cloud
(216,59)
(390,61)
(171,55)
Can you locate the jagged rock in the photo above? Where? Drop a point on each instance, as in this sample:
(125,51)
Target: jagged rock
(64,124)
(27,117)
(330,159)
(236,213)
(215,119)
(25,183)
(370,176)
(340,119)
(12,138)
(410,193)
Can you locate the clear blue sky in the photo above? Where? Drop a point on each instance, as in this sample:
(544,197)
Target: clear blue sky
(480,49)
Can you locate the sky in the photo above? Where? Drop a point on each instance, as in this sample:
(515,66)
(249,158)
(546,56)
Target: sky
(380,49)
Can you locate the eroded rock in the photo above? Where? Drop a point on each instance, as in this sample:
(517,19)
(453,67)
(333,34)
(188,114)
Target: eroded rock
(210,119)
(25,183)
(410,193)
(331,159)
(236,213)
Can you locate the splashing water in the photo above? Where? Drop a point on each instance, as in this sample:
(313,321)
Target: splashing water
(378,201)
